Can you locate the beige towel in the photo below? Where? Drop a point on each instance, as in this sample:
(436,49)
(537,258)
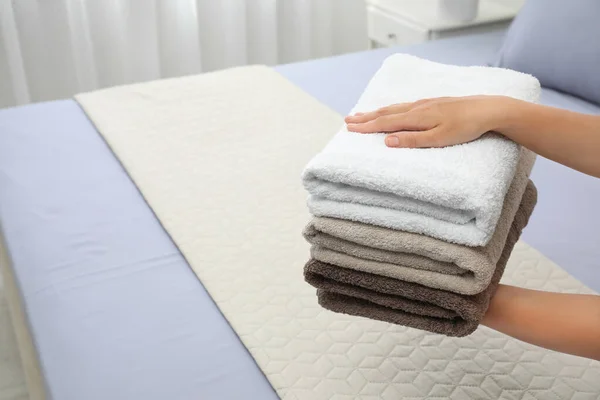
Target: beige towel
(410,304)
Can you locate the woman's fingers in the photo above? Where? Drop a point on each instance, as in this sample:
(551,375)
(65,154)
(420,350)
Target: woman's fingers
(408,121)
(386,123)
(414,139)
(360,118)
(379,124)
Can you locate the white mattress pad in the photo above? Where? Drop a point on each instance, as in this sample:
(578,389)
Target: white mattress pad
(218,157)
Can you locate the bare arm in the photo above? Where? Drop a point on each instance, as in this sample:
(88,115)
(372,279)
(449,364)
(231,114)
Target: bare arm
(569,323)
(566,137)
(570,138)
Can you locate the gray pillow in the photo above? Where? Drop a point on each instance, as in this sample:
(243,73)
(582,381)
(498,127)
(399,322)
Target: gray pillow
(557,41)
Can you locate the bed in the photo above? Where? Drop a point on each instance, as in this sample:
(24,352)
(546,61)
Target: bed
(108,306)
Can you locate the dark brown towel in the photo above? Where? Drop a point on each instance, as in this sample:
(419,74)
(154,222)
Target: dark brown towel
(410,304)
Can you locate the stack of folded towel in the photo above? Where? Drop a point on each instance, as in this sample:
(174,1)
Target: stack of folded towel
(418,237)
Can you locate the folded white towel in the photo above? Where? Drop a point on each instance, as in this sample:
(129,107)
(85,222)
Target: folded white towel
(454,193)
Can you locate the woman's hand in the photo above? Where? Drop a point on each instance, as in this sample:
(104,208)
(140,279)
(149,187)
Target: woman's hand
(435,122)
(567,137)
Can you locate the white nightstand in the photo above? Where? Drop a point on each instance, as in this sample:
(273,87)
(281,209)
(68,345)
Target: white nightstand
(403,22)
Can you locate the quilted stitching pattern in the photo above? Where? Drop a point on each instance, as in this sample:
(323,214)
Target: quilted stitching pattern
(308,352)
(218,157)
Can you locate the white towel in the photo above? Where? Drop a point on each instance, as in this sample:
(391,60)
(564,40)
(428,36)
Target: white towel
(454,193)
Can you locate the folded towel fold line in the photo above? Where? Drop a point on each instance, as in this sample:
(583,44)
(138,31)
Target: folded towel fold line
(339,192)
(428,261)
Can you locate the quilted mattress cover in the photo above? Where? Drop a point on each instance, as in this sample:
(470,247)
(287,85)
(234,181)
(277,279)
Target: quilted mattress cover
(225,185)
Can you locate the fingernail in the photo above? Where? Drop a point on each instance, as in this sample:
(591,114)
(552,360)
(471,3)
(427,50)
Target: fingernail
(392,141)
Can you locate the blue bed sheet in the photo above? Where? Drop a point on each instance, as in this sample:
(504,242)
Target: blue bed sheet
(115,311)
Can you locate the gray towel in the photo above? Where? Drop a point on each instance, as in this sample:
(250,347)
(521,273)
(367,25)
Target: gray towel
(413,257)
(405,303)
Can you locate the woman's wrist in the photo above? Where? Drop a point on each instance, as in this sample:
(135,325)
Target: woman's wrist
(498,305)
(504,112)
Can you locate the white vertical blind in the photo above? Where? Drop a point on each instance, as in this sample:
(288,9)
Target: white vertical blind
(322,17)
(294,28)
(85,69)
(13,80)
(178,38)
(262,34)
(53,49)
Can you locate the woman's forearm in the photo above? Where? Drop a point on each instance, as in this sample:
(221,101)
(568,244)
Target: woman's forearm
(569,323)
(564,136)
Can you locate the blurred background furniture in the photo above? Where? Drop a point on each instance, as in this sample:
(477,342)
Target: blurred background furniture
(404,22)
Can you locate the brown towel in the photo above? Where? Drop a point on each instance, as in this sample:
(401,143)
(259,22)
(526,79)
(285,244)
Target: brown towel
(364,294)
(418,258)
